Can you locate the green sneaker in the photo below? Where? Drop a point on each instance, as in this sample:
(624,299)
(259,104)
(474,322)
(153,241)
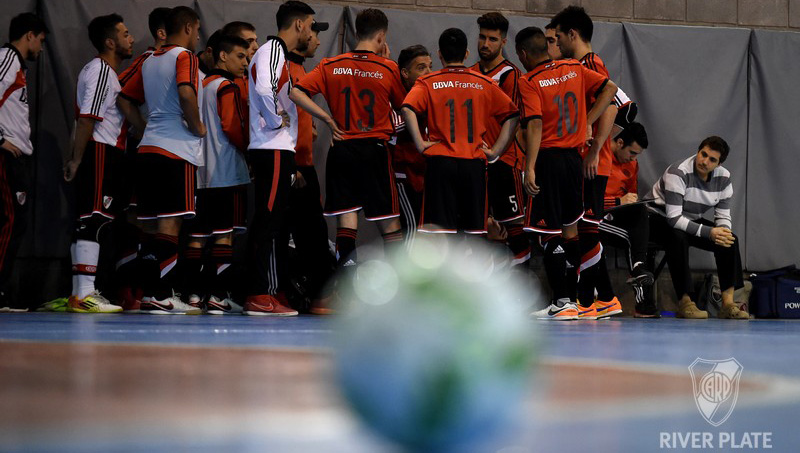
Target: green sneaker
(59,304)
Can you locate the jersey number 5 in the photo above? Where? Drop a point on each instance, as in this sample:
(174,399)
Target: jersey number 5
(468,105)
(369,106)
(565,120)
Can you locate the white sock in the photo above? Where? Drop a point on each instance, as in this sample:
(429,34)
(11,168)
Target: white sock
(84,260)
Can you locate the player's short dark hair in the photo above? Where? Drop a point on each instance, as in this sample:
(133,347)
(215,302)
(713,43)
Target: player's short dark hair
(213,40)
(23,23)
(157,19)
(179,17)
(290,11)
(634,132)
(226,43)
(408,55)
(717,144)
(453,45)
(531,40)
(102,28)
(550,26)
(494,21)
(574,18)
(236,27)
(369,22)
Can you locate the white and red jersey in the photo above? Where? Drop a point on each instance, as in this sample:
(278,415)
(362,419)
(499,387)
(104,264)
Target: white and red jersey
(131,78)
(269,85)
(226,141)
(162,73)
(15,125)
(96,98)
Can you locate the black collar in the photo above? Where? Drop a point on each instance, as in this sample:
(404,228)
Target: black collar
(295,57)
(8,45)
(283,44)
(542,63)
(220,72)
(364,51)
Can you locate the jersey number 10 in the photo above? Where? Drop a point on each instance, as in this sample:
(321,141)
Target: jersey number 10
(565,120)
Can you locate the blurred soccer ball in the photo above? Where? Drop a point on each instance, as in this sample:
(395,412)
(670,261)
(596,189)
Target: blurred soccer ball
(434,348)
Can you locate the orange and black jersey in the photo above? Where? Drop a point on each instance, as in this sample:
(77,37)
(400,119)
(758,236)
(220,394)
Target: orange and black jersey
(592,61)
(624,179)
(233,120)
(556,92)
(305,132)
(507,77)
(361,89)
(458,104)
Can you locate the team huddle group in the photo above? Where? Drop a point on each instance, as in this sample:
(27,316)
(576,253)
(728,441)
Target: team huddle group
(548,156)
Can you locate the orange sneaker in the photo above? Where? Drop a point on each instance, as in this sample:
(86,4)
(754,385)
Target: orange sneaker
(587,313)
(323,305)
(267,305)
(606,309)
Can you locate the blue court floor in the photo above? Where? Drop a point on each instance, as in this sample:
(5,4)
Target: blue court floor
(614,385)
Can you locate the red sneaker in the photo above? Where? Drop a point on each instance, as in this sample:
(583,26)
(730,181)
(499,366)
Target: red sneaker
(129,299)
(323,305)
(267,305)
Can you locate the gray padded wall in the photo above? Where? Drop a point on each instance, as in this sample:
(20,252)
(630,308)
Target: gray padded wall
(773,210)
(690,82)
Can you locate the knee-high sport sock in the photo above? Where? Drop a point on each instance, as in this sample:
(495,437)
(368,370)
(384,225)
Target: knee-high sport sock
(159,258)
(345,246)
(128,239)
(605,291)
(85,255)
(520,245)
(392,242)
(572,250)
(190,272)
(555,264)
(591,251)
(221,264)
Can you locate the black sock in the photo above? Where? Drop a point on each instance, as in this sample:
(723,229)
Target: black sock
(520,245)
(572,250)
(222,269)
(345,245)
(555,264)
(392,242)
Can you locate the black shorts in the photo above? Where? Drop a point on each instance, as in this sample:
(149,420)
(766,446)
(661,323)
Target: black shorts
(165,187)
(594,191)
(128,176)
(454,198)
(359,175)
(559,202)
(99,182)
(506,197)
(220,210)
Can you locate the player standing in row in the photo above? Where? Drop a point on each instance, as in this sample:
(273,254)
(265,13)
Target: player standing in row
(574,29)
(98,149)
(505,193)
(458,104)
(169,153)
(26,34)
(361,88)
(221,183)
(273,138)
(554,117)
(306,222)
(409,165)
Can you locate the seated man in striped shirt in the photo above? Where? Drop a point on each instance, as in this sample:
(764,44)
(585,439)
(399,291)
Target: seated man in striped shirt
(685,192)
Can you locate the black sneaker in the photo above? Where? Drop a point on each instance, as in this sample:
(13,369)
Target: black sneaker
(640,276)
(646,309)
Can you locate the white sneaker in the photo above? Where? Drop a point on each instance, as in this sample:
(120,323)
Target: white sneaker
(170,306)
(226,306)
(558,311)
(196,301)
(92,303)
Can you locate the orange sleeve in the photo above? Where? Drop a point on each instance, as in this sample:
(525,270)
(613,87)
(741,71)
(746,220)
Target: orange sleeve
(186,70)
(398,93)
(232,119)
(510,85)
(530,101)
(503,106)
(635,178)
(417,98)
(133,89)
(314,82)
(593,81)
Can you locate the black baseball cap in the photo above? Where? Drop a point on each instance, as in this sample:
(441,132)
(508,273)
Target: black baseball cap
(319,26)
